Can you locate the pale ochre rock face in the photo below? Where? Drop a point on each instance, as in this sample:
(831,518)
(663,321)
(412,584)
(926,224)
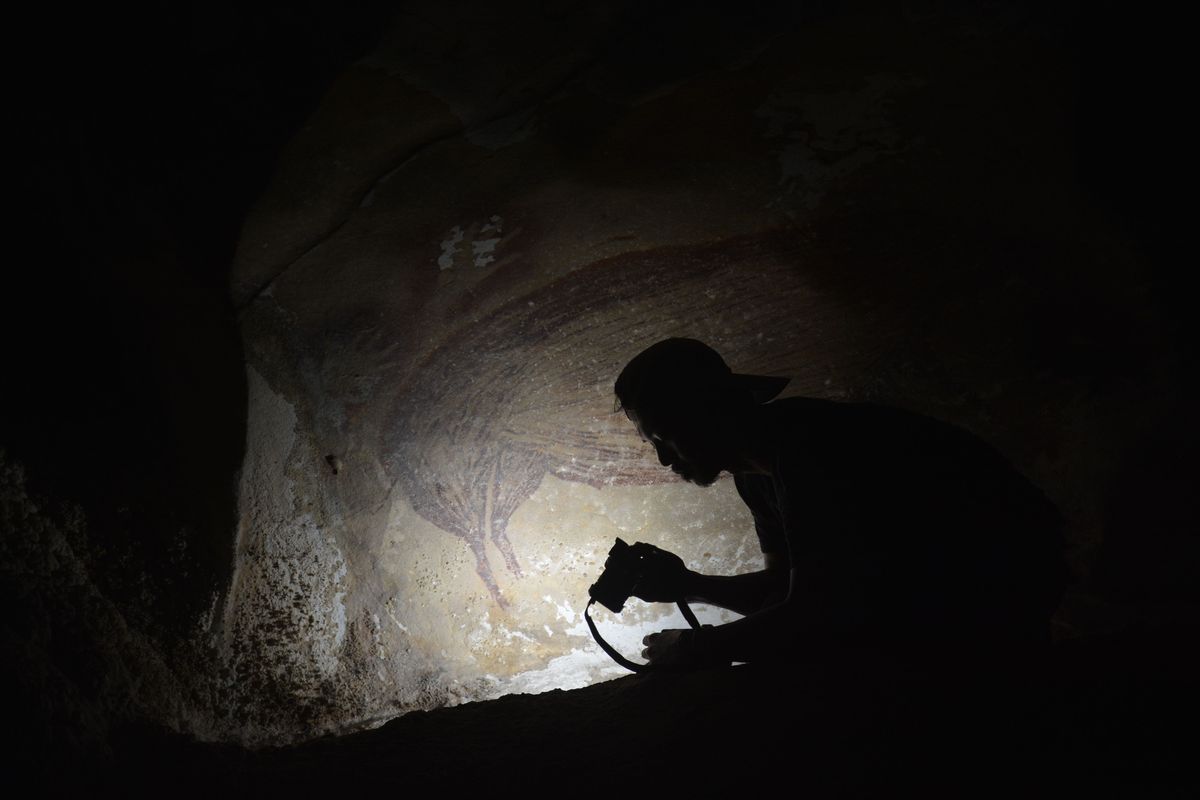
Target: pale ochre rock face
(562,534)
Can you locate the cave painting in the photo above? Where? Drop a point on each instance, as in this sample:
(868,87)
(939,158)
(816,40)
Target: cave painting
(527,390)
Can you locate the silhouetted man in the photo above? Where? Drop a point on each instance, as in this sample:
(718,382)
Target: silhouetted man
(877,526)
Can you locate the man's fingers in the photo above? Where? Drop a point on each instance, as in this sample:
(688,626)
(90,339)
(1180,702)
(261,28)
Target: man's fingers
(662,646)
(650,650)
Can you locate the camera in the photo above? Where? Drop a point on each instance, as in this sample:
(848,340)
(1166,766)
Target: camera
(622,569)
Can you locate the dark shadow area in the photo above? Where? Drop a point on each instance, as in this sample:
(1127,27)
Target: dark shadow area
(1105,718)
(143,139)
(145,135)
(142,135)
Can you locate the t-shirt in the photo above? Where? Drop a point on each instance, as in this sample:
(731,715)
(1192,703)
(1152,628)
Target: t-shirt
(897,521)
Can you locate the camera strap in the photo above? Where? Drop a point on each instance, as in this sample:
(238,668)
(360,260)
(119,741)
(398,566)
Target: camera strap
(612,651)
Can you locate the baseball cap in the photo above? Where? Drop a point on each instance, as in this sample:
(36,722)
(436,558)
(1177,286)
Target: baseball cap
(680,366)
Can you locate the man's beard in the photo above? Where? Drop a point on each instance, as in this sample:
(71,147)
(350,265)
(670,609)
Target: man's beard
(697,476)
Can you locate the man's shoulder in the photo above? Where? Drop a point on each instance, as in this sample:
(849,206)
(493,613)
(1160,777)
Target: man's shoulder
(812,428)
(815,419)
(817,414)
(799,412)
(818,408)
(804,429)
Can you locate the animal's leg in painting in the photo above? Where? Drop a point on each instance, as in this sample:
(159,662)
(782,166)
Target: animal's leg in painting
(507,488)
(500,539)
(484,570)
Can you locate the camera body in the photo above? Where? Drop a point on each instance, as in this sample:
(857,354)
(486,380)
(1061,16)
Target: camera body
(622,570)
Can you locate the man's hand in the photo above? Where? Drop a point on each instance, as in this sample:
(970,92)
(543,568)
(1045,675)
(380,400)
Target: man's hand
(664,578)
(669,648)
(680,647)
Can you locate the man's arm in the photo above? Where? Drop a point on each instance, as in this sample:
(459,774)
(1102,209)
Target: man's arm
(758,634)
(665,578)
(744,594)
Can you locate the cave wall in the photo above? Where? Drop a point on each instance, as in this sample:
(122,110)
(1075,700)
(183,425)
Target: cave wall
(492,211)
(140,136)
(309,348)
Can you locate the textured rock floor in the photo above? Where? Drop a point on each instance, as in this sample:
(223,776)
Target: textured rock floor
(1105,717)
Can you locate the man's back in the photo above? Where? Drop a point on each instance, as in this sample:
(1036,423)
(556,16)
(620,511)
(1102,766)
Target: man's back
(899,523)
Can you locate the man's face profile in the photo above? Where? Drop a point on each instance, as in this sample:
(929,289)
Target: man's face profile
(682,443)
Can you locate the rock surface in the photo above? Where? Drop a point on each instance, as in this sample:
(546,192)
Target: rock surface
(864,725)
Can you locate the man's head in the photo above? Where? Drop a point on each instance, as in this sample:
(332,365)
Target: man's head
(685,401)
